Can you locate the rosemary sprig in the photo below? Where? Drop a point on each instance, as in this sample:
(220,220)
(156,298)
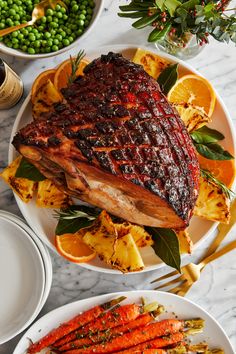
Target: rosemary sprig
(74,65)
(228,192)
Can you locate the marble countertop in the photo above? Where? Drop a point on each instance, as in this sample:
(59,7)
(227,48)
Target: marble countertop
(216,290)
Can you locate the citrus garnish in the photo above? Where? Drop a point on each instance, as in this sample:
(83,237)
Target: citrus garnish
(41,80)
(64,71)
(194,90)
(72,247)
(223,170)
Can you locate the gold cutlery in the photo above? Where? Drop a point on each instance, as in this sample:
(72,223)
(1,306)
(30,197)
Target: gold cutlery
(190,273)
(38,12)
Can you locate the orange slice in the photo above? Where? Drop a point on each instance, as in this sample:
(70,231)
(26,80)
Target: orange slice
(195,90)
(72,247)
(64,71)
(223,170)
(41,80)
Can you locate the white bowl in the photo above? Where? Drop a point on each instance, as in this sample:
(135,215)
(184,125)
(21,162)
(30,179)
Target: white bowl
(18,53)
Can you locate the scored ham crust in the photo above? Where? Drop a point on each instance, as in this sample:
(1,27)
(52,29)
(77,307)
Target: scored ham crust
(118,144)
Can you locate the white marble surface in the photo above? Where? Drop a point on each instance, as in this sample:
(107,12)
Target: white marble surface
(216,290)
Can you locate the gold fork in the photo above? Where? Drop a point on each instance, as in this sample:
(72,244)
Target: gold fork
(38,12)
(191,272)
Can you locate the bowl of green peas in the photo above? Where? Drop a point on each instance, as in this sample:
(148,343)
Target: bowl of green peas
(57,31)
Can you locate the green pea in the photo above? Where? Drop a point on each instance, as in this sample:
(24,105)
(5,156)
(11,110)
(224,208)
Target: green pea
(59,15)
(20,36)
(49,18)
(15,46)
(65,17)
(71,39)
(81,23)
(89,17)
(32,37)
(17,17)
(58,7)
(55,48)
(24,48)
(17,23)
(90,11)
(66,41)
(9,44)
(2,25)
(79,32)
(59,37)
(14,40)
(15,34)
(63,10)
(31,50)
(86,23)
(49,43)
(47,49)
(37,44)
(56,41)
(12,12)
(47,34)
(41,28)
(49,12)
(24,31)
(75,8)
(53,32)
(82,17)
(43,19)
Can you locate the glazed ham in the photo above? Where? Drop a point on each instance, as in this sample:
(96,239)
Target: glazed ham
(118,144)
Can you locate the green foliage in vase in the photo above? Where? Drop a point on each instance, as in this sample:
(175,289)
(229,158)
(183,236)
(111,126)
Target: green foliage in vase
(179,18)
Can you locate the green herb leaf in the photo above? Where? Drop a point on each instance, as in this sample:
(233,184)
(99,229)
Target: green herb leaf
(171,6)
(74,218)
(166,245)
(145,21)
(208,175)
(213,151)
(29,171)
(74,66)
(188,5)
(206,135)
(157,35)
(168,78)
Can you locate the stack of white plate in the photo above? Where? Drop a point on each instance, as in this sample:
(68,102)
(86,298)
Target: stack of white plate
(25,275)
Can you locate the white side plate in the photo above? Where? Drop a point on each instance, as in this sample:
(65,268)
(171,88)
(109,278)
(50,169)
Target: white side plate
(22,278)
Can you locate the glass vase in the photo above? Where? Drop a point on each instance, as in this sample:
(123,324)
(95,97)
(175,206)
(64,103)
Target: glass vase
(184,47)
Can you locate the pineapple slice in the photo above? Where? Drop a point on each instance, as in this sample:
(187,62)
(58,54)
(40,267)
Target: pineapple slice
(212,203)
(23,187)
(193,117)
(119,252)
(152,64)
(49,196)
(185,242)
(44,99)
(140,236)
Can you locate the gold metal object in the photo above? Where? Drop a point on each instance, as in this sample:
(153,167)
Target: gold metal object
(191,272)
(38,12)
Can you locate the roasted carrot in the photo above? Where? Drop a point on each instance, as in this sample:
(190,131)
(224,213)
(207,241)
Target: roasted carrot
(150,351)
(157,343)
(69,326)
(105,321)
(108,334)
(135,337)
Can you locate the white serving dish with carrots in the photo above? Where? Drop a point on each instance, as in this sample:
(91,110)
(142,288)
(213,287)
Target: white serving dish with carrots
(168,328)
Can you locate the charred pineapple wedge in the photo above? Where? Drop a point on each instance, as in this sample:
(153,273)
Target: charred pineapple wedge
(193,117)
(49,196)
(140,236)
(212,203)
(152,64)
(119,251)
(44,99)
(23,187)
(185,242)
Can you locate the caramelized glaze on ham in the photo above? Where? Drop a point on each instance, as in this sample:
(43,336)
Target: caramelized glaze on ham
(118,144)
